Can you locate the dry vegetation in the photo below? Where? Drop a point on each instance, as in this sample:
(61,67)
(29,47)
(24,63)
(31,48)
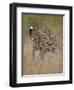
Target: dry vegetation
(49,63)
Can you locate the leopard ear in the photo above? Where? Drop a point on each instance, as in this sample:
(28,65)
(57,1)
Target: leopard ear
(30,30)
(31,27)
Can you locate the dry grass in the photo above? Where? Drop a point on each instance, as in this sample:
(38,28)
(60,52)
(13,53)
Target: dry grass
(48,65)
